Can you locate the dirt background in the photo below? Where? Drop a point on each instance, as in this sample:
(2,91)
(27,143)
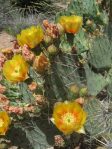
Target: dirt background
(6,40)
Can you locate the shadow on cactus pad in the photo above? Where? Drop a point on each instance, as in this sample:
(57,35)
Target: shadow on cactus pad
(36,133)
(18,138)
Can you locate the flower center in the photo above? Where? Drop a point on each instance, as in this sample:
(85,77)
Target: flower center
(17,69)
(68,118)
(16,72)
(1,122)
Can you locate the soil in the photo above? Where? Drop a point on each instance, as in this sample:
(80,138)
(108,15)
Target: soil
(6,40)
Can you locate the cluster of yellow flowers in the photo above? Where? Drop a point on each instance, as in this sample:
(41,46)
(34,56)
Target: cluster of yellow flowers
(16,70)
(34,35)
(68,116)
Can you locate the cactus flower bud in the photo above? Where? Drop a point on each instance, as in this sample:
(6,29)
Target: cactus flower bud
(83,91)
(47,39)
(74,89)
(89,22)
(98,13)
(52,49)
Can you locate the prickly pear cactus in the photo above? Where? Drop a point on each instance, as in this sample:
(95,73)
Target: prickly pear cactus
(59,65)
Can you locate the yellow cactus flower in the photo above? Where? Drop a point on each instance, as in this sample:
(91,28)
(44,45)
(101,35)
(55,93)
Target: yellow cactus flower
(71,24)
(15,70)
(41,63)
(4,122)
(31,36)
(69,117)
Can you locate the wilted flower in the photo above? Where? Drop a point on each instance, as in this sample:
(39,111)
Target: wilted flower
(29,108)
(15,109)
(40,99)
(31,36)
(4,122)
(15,70)
(3,100)
(33,86)
(19,109)
(2,89)
(8,52)
(41,63)
(2,60)
(71,24)
(27,53)
(80,100)
(51,29)
(15,44)
(59,141)
(68,117)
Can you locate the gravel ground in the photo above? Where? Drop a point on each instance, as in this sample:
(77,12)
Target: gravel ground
(5,40)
